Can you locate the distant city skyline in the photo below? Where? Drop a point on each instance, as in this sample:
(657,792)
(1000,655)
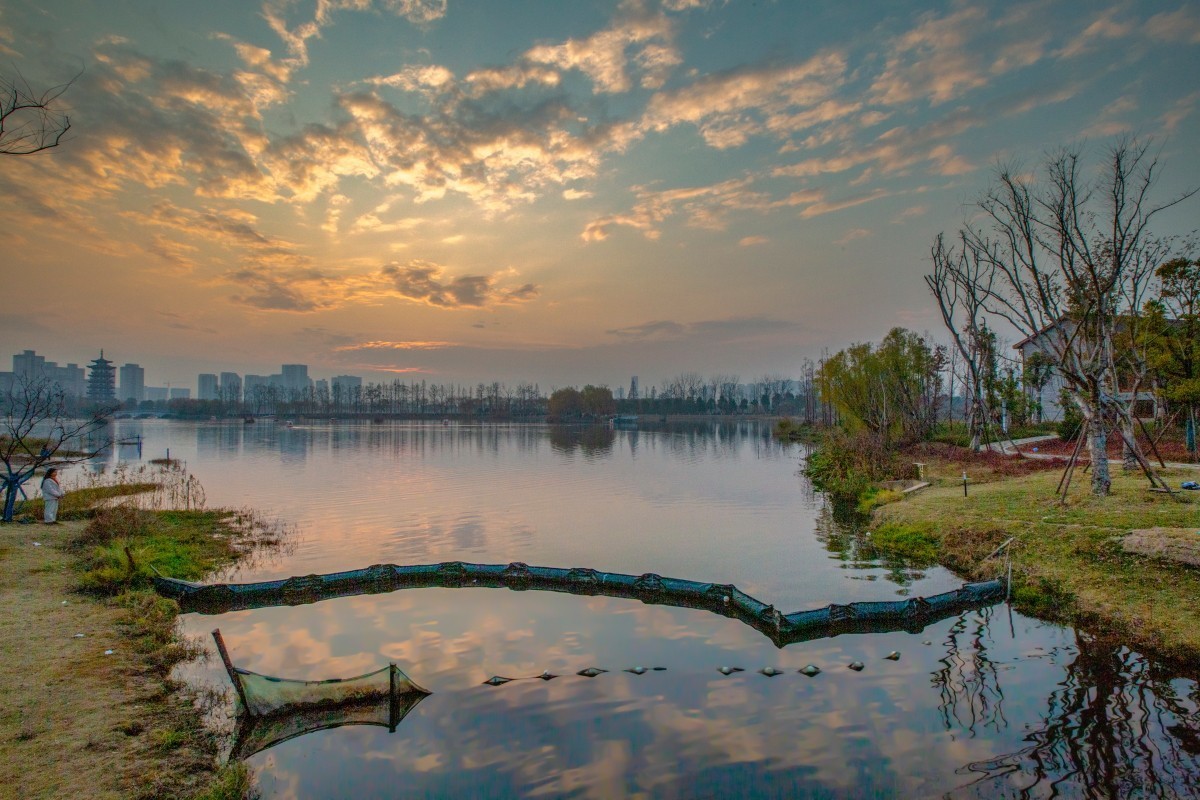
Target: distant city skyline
(462,191)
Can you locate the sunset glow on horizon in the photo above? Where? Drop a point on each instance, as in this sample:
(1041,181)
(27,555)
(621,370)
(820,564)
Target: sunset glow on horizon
(566,193)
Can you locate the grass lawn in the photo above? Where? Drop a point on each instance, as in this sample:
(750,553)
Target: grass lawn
(1068,563)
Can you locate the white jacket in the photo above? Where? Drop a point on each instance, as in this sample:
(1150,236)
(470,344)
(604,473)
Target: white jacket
(51,490)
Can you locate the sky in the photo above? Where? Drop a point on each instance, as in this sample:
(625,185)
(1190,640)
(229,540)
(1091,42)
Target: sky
(563,193)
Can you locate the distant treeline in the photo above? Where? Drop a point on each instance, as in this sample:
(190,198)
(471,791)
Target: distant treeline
(686,394)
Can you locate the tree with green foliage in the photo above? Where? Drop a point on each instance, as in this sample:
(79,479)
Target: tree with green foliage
(1037,371)
(892,390)
(1173,325)
(565,402)
(597,401)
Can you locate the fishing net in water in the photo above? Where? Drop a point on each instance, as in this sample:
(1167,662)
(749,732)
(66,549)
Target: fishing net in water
(274,710)
(258,733)
(265,695)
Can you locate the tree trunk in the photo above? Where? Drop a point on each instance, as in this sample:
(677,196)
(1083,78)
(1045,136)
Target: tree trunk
(1098,450)
(1129,459)
(1190,435)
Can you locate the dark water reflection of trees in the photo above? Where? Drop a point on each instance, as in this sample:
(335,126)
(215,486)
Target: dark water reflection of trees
(846,535)
(1117,725)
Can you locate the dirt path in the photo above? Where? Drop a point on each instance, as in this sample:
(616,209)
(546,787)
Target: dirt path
(75,722)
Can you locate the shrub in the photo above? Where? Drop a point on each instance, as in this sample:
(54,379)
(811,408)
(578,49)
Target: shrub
(791,430)
(1072,421)
(847,466)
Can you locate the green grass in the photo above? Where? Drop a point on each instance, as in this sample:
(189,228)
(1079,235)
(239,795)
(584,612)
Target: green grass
(179,544)
(912,541)
(233,782)
(875,497)
(1067,560)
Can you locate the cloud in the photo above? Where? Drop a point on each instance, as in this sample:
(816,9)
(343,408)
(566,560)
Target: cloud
(1182,25)
(424,282)
(426,79)
(295,38)
(514,76)
(703,206)
(851,235)
(933,60)
(1104,28)
(660,329)
(828,207)
(384,345)
(910,213)
(898,149)
(637,38)
(718,330)
(496,158)
(730,107)
(750,241)
(279,282)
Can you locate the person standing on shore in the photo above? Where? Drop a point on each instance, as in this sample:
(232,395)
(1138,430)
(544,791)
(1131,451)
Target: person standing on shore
(51,494)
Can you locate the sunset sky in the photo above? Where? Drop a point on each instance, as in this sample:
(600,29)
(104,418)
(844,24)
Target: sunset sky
(559,192)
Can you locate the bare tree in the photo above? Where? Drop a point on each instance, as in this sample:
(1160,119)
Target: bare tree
(37,430)
(961,282)
(29,121)
(1060,261)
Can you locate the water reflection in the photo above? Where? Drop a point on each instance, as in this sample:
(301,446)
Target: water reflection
(846,536)
(970,698)
(993,707)
(1117,725)
(590,440)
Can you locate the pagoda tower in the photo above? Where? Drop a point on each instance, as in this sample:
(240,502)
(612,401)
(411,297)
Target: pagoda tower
(102,380)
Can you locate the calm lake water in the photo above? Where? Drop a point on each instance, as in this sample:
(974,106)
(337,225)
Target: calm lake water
(986,704)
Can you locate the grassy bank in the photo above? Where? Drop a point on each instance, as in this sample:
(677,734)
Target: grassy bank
(98,715)
(1068,563)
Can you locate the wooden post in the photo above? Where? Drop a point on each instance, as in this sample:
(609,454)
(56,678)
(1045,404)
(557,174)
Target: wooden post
(1153,444)
(233,676)
(393,699)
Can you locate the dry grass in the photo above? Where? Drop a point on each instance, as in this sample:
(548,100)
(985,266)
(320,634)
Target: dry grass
(75,722)
(1068,562)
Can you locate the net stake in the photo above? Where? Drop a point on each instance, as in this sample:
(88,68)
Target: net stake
(393,700)
(233,676)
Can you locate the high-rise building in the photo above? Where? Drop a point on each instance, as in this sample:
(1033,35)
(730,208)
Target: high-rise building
(295,377)
(31,366)
(179,393)
(230,388)
(253,386)
(155,393)
(133,383)
(345,383)
(206,386)
(102,380)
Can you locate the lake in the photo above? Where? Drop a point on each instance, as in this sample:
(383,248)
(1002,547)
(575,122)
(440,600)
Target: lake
(987,703)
